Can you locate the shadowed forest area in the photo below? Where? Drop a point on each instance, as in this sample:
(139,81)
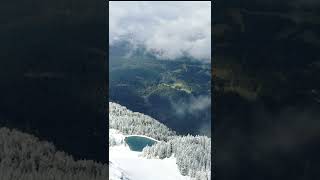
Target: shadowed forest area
(266,89)
(52,74)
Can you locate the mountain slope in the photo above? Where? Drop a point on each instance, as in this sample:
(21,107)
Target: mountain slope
(266,89)
(163,89)
(131,165)
(123,119)
(25,157)
(188,155)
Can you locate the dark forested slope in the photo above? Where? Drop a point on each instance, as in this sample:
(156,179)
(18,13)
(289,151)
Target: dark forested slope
(52,72)
(266,89)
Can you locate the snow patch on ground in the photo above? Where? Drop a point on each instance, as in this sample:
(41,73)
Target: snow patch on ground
(116,173)
(131,165)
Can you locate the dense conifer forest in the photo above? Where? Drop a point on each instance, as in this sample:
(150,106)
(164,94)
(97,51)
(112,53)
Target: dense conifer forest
(25,157)
(193,153)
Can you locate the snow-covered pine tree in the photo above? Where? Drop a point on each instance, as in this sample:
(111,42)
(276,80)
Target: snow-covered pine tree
(193,153)
(129,122)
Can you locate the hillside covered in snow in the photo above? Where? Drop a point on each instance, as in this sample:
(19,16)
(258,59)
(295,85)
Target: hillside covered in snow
(27,157)
(172,157)
(129,122)
(132,165)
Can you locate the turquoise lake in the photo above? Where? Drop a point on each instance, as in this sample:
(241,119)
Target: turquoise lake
(137,143)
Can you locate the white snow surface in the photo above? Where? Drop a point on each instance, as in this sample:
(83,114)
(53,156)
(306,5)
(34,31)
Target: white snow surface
(130,165)
(116,173)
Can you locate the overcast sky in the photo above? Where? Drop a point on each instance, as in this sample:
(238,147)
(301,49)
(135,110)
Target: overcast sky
(172,28)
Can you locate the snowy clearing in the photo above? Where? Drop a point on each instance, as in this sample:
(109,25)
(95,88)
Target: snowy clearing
(125,163)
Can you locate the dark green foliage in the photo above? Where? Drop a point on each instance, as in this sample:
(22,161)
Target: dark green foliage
(155,87)
(52,72)
(267,76)
(25,157)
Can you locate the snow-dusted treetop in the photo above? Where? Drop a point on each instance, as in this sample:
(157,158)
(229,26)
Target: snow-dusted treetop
(129,123)
(193,153)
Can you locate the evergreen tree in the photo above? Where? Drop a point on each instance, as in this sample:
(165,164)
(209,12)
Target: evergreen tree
(192,153)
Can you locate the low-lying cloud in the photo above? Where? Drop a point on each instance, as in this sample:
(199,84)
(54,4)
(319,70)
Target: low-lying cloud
(193,105)
(198,107)
(169,30)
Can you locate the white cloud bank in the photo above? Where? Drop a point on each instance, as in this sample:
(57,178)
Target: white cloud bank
(194,105)
(172,29)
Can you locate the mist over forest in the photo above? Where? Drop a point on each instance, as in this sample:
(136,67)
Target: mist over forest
(266,90)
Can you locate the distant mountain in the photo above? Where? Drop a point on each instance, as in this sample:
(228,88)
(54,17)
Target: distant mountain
(176,92)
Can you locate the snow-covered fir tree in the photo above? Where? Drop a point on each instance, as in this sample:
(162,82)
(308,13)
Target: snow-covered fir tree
(129,122)
(26,157)
(193,154)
